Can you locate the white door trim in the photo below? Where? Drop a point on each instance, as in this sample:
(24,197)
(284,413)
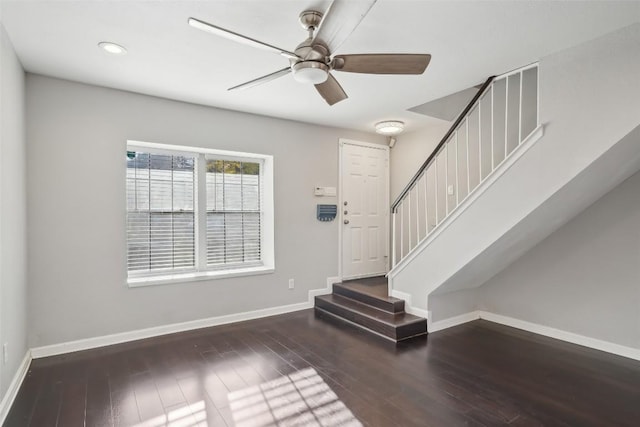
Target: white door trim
(341,143)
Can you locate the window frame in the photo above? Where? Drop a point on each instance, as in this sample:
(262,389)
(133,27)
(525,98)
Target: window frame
(201,271)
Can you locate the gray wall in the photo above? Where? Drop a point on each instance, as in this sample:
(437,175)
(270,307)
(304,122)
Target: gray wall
(76,180)
(13,256)
(584,278)
(452,304)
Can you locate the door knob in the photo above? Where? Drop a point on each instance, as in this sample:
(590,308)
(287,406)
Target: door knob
(346,221)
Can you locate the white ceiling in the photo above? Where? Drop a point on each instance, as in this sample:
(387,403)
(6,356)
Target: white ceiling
(166,57)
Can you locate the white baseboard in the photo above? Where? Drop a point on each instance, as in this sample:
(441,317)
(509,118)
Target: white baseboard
(322,291)
(332,281)
(408,306)
(547,331)
(452,321)
(105,340)
(12,391)
(606,346)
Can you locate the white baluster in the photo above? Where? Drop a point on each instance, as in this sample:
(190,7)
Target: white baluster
(520,110)
(506,117)
(409,217)
(466,122)
(446,179)
(435,164)
(393,238)
(401,230)
(457,172)
(492,141)
(479,140)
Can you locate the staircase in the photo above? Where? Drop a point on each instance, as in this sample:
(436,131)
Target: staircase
(534,148)
(365,303)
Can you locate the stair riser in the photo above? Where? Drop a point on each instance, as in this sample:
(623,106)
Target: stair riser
(412,330)
(389,307)
(397,334)
(355,317)
(339,321)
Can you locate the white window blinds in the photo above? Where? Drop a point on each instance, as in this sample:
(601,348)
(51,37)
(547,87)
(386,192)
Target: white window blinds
(160,212)
(233,213)
(170,231)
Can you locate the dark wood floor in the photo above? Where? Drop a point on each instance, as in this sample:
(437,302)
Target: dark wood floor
(297,369)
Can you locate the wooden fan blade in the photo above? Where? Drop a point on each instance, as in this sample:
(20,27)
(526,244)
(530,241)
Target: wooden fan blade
(263,79)
(228,34)
(331,91)
(340,20)
(384,63)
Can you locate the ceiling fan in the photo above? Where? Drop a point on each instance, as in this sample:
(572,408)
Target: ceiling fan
(313,60)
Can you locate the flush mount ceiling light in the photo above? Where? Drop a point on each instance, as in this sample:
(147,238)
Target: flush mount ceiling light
(112,48)
(390,127)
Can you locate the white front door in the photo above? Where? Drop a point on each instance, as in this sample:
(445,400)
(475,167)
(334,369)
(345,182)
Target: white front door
(364,207)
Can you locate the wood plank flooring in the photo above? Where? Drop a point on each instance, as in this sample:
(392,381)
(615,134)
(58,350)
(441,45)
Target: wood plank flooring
(295,369)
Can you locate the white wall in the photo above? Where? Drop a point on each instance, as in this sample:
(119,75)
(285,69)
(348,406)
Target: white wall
(584,278)
(407,156)
(13,255)
(410,152)
(77,257)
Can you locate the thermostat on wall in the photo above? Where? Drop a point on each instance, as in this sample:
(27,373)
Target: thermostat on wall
(325,191)
(326,213)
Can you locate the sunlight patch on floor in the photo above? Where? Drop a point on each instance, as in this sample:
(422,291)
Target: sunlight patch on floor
(298,399)
(185,416)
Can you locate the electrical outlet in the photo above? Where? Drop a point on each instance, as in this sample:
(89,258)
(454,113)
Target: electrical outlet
(450,190)
(291,284)
(5,353)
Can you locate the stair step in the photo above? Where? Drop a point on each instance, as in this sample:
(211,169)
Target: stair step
(386,303)
(395,326)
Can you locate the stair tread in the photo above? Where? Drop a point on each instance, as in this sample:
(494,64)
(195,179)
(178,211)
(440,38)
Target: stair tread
(376,286)
(367,292)
(392,319)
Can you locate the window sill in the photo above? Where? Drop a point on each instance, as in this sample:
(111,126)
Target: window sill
(169,279)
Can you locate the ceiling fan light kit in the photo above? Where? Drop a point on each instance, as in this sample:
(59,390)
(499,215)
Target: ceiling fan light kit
(312,61)
(310,72)
(390,127)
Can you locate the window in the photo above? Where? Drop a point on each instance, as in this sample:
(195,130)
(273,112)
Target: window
(160,212)
(233,212)
(197,214)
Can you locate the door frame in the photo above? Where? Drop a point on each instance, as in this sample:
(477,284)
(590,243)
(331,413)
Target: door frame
(341,144)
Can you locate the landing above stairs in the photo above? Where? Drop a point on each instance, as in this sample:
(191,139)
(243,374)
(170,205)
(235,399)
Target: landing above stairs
(366,304)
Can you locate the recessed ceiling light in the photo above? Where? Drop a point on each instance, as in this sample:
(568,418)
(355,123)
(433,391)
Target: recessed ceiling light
(389,127)
(112,48)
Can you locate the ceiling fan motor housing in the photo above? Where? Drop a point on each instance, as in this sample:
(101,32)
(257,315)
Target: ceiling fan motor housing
(314,67)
